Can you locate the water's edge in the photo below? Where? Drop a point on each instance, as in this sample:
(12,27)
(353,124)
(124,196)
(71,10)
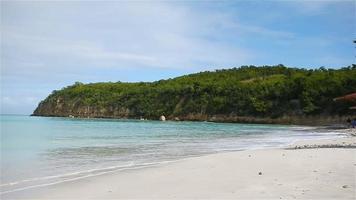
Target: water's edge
(180,140)
(333,122)
(116,169)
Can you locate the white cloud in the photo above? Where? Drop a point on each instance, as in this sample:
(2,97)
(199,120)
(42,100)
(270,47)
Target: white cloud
(120,35)
(53,46)
(261,31)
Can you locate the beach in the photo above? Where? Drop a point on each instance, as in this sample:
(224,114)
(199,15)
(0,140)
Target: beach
(178,100)
(312,169)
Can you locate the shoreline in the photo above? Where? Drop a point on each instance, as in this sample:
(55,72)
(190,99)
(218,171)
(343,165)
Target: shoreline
(113,169)
(327,122)
(240,161)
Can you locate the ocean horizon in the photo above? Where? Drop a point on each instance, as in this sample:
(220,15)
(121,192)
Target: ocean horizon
(38,151)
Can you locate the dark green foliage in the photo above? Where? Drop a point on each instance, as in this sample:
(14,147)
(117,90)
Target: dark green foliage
(272,91)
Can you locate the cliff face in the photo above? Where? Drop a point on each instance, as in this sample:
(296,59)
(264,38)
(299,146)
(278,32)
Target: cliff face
(62,108)
(59,108)
(273,94)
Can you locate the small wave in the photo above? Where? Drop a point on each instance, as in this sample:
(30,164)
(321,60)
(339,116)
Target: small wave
(63,175)
(97,172)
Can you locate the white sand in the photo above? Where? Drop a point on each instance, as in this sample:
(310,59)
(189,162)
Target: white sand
(316,173)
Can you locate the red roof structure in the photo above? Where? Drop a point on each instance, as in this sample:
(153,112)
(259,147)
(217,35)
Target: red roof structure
(350,97)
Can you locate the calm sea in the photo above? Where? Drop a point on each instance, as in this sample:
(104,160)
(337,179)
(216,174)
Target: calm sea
(38,151)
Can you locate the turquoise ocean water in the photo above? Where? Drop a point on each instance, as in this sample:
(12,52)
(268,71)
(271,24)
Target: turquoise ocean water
(39,151)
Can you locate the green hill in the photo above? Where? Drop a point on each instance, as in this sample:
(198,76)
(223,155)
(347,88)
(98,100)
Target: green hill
(238,94)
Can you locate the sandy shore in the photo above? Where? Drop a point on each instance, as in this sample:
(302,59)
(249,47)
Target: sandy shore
(305,172)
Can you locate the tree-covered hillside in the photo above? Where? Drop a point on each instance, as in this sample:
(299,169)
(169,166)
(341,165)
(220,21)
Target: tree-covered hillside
(247,91)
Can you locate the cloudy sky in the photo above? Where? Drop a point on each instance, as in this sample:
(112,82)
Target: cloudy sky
(46,45)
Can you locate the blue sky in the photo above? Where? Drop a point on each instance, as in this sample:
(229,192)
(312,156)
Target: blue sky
(46,45)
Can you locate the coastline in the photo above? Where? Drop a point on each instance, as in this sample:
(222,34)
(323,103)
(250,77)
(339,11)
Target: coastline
(333,122)
(301,173)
